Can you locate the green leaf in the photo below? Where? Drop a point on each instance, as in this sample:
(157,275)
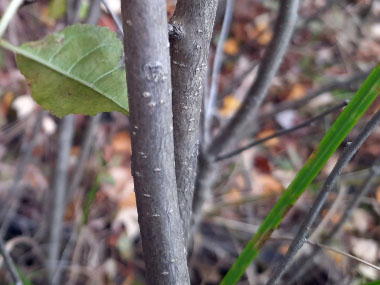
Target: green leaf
(329,144)
(76,71)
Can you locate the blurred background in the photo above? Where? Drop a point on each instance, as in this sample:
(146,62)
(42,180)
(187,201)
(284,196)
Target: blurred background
(335,45)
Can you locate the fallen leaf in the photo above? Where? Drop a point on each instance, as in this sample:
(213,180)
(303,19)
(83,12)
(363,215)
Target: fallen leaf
(298,91)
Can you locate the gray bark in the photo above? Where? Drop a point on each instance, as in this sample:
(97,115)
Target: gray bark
(193,23)
(149,84)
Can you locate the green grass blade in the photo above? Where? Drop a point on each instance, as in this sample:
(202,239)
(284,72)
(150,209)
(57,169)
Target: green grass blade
(329,144)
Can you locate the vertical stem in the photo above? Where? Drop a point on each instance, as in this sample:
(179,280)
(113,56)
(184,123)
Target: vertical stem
(9,14)
(149,92)
(59,192)
(193,22)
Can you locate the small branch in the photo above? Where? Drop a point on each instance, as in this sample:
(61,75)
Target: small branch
(218,60)
(87,144)
(235,128)
(344,83)
(10,12)
(59,192)
(249,228)
(10,264)
(281,132)
(300,238)
(360,192)
(115,18)
(192,24)
(151,117)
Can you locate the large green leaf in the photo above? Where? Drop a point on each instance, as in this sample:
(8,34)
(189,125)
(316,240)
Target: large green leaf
(76,71)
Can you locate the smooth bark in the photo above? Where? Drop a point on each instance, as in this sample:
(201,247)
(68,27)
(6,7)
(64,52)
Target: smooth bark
(149,93)
(192,25)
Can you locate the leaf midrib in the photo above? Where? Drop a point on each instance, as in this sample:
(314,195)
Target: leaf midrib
(28,55)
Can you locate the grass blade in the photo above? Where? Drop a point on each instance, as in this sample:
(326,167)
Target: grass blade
(329,144)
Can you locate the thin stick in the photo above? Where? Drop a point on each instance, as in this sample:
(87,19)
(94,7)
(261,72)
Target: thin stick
(360,192)
(10,12)
(344,83)
(234,130)
(281,132)
(10,264)
(59,190)
(115,18)
(300,238)
(218,60)
(84,154)
(252,229)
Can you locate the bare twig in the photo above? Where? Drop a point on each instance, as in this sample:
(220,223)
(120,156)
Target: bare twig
(84,154)
(236,127)
(360,192)
(218,60)
(115,18)
(252,229)
(149,84)
(59,192)
(281,132)
(344,83)
(9,14)
(27,148)
(8,261)
(189,49)
(302,233)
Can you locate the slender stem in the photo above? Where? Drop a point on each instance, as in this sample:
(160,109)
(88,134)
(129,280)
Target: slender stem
(9,14)
(360,192)
(281,132)
(10,264)
(236,127)
(300,238)
(59,192)
(218,60)
(190,37)
(345,83)
(84,154)
(115,18)
(151,117)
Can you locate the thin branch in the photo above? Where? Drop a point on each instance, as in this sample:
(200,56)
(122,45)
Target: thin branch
(344,83)
(59,192)
(87,144)
(302,233)
(8,212)
(234,129)
(151,117)
(10,264)
(237,126)
(192,23)
(8,15)
(361,191)
(252,229)
(115,18)
(281,132)
(218,60)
